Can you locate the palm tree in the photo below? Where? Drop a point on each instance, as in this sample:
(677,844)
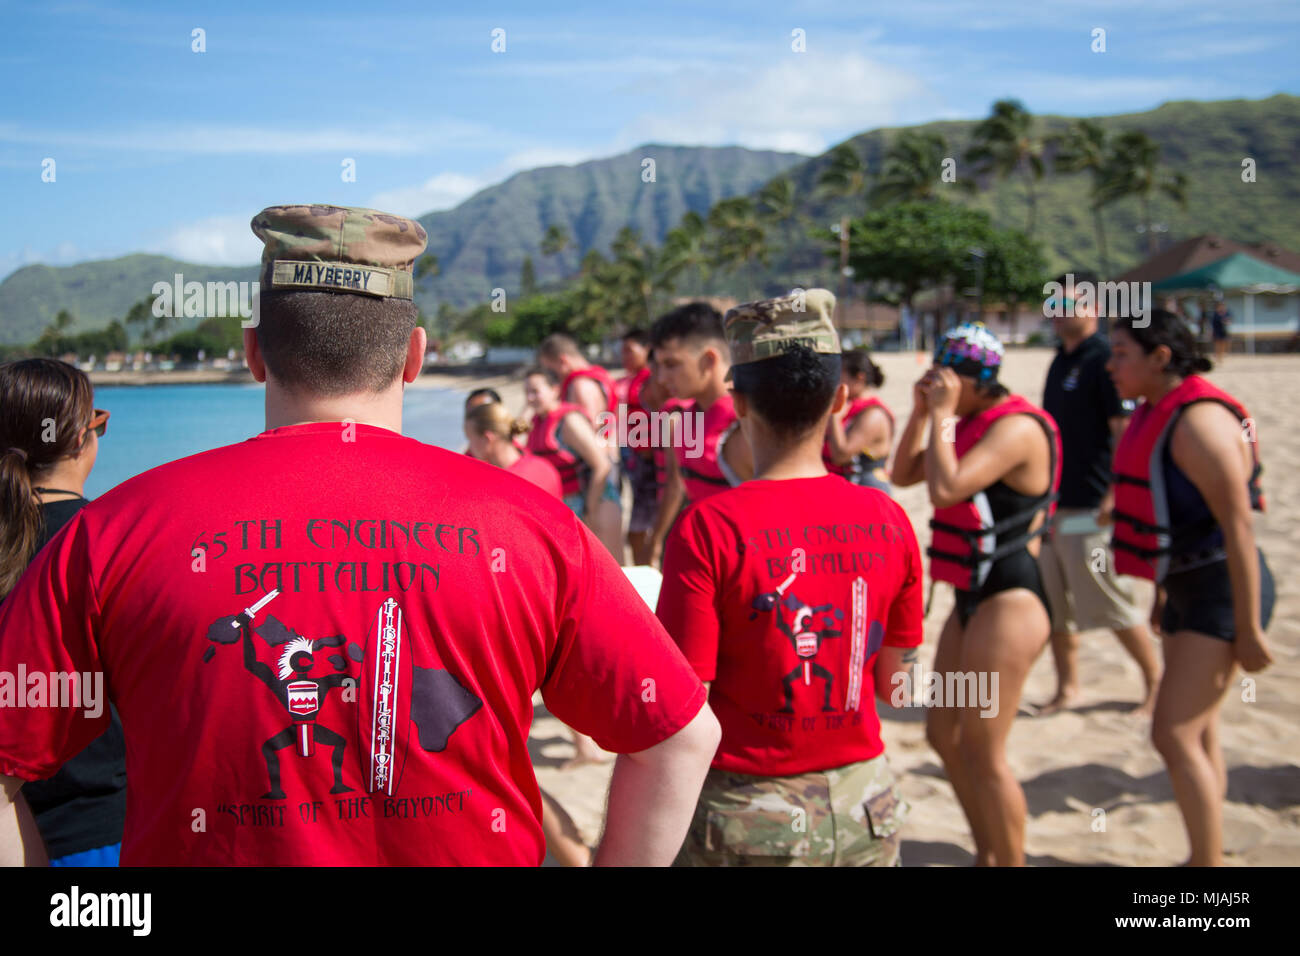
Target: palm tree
(845,175)
(738,238)
(428,266)
(777,202)
(1083,148)
(1004,144)
(1133,169)
(912,168)
(555,241)
(687,247)
(139,314)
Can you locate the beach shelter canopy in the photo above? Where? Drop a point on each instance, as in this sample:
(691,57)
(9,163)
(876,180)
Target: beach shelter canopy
(1237,272)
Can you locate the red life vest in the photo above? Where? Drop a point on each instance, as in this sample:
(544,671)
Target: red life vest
(673,407)
(629,393)
(862,464)
(1143,540)
(543,441)
(600,376)
(708,473)
(965,539)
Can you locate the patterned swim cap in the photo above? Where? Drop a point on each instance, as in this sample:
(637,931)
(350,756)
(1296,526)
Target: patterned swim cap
(971,349)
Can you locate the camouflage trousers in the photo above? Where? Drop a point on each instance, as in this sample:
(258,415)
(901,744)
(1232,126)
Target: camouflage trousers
(849,816)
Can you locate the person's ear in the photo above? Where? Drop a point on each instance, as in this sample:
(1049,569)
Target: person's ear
(416,346)
(841,397)
(1161,356)
(253,356)
(739,404)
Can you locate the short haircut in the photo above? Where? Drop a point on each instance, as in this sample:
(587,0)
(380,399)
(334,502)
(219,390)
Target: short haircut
(696,323)
(558,344)
(333,343)
(639,336)
(791,392)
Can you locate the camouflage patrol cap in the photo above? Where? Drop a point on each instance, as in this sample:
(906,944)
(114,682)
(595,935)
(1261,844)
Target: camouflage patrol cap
(338,249)
(765,329)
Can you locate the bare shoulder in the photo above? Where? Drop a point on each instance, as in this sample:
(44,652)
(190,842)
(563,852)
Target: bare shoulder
(1204,426)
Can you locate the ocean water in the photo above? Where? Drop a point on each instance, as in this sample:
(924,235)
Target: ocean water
(154,424)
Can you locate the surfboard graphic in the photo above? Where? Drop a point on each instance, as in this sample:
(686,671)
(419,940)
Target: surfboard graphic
(384,705)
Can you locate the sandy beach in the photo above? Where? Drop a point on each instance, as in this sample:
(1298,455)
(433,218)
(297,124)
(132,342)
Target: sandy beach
(1097,756)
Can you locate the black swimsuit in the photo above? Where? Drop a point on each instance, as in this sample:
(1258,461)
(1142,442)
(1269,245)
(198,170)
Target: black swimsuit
(1016,570)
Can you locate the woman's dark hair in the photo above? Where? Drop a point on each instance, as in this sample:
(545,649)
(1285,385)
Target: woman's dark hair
(993,389)
(789,392)
(640,336)
(47,406)
(545,373)
(1160,327)
(491,393)
(857,362)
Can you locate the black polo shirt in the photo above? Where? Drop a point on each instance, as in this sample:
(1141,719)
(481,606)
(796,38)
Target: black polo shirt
(1081,397)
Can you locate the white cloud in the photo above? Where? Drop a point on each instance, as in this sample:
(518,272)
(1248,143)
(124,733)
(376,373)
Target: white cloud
(216,240)
(259,140)
(62,254)
(438,192)
(448,189)
(799,102)
(1198,50)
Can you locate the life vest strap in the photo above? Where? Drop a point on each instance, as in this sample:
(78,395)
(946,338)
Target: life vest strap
(1146,554)
(1122,479)
(1137,524)
(1010,521)
(972,558)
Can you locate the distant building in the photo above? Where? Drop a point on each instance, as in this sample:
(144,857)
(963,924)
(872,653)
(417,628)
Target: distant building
(1275,317)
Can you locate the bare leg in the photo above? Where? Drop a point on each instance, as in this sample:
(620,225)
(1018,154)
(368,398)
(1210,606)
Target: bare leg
(587,752)
(1197,671)
(608,527)
(1137,641)
(562,837)
(943,730)
(1003,638)
(1065,651)
(639,543)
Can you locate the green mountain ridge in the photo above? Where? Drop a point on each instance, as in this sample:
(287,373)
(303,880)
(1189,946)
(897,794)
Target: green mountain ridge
(1205,140)
(482,243)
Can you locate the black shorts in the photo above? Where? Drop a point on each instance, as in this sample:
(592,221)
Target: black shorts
(1018,570)
(1200,599)
(645,491)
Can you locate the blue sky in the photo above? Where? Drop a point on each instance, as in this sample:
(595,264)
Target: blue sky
(159,148)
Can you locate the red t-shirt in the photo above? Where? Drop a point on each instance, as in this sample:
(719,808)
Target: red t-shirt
(540,472)
(422,598)
(761,593)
